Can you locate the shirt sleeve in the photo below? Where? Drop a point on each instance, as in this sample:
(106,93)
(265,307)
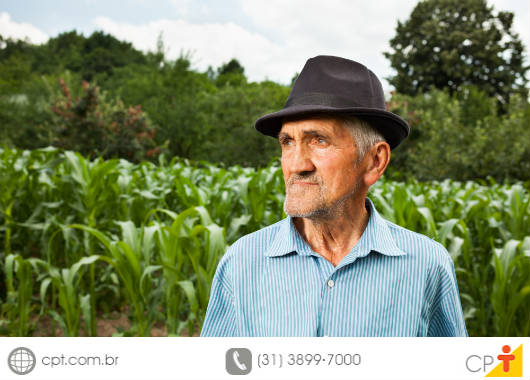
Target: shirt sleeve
(447,318)
(220,314)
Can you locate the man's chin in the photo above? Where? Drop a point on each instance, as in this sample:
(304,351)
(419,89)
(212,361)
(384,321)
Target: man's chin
(297,211)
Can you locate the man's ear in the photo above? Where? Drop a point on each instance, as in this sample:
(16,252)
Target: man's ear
(375,161)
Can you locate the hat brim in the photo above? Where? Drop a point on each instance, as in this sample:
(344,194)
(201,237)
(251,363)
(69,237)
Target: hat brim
(392,127)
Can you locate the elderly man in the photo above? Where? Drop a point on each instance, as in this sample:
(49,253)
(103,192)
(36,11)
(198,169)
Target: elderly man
(334,266)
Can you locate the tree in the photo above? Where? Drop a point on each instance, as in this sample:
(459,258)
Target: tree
(455,43)
(9,47)
(63,52)
(233,66)
(231,73)
(96,55)
(104,52)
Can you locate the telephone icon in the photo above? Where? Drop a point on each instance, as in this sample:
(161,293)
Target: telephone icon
(241,366)
(238,361)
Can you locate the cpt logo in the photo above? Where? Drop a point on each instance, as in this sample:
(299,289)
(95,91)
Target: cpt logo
(510,364)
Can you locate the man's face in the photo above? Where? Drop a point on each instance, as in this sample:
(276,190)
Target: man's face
(320,168)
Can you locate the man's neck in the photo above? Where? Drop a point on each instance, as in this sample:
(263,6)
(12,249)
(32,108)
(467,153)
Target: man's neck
(333,238)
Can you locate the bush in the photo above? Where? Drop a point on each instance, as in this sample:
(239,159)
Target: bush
(463,137)
(97,127)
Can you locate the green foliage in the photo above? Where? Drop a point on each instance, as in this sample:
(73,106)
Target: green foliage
(16,305)
(455,43)
(94,126)
(230,115)
(86,237)
(171,94)
(15,71)
(196,115)
(99,53)
(24,111)
(181,247)
(102,53)
(210,115)
(462,137)
(202,117)
(65,284)
(511,290)
(231,73)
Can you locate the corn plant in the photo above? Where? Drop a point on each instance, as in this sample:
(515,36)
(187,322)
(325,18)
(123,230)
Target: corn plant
(189,249)
(510,296)
(65,283)
(130,258)
(16,309)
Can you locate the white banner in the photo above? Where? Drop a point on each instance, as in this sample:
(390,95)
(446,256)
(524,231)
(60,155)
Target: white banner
(263,358)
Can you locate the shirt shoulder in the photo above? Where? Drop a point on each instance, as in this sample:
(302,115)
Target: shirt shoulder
(257,241)
(251,247)
(419,246)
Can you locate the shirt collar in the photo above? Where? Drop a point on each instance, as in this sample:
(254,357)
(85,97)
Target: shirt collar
(376,237)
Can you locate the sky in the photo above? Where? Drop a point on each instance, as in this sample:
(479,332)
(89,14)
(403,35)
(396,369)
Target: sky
(271,38)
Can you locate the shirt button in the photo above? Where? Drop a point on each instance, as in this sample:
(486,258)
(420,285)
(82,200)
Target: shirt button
(331,283)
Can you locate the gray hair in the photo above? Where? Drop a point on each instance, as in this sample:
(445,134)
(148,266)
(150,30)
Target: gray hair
(364,135)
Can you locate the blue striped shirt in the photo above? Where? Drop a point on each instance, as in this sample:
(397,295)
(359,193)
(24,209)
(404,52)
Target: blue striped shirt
(394,282)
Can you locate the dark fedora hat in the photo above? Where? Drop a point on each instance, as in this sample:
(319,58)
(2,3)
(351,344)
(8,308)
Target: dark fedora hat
(337,85)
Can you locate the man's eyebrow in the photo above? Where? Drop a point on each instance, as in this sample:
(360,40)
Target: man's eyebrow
(312,133)
(282,136)
(315,133)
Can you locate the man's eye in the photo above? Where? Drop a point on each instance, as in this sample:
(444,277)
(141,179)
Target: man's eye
(320,141)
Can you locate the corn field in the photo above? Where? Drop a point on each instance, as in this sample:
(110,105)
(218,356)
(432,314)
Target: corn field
(82,238)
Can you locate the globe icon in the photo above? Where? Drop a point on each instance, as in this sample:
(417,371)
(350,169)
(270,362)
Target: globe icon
(21,360)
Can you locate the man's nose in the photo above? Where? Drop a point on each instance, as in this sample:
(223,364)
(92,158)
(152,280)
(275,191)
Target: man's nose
(300,160)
